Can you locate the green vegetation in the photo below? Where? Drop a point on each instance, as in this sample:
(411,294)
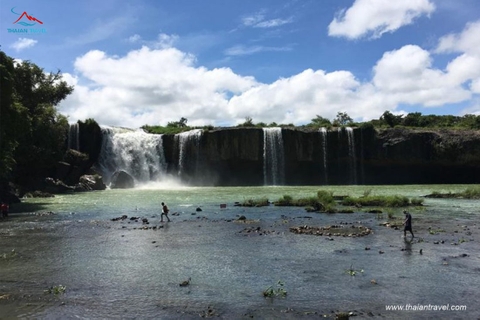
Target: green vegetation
(469,193)
(352,272)
(380,201)
(275,291)
(261,202)
(324,201)
(174,127)
(9,255)
(32,132)
(56,289)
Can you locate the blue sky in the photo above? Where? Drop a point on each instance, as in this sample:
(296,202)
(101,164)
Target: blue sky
(220,61)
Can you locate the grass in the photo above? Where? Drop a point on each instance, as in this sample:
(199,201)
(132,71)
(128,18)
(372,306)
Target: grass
(260,202)
(352,271)
(56,289)
(324,201)
(275,291)
(469,193)
(381,201)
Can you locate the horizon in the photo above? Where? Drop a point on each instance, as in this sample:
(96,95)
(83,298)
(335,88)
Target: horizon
(217,63)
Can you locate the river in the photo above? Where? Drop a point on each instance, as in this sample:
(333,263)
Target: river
(132,270)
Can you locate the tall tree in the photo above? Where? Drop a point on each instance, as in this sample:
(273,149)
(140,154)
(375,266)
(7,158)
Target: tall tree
(342,119)
(320,121)
(32,129)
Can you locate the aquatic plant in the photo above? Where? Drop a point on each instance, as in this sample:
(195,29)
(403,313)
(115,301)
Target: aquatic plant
(261,202)
(382,201)
(391,216)
(285,201)
(342,316)
(471,193)
(367,192)
(324,201)
(275,291)
(352,272)
(56,289)
(11,254)
(416,202)
(432,231)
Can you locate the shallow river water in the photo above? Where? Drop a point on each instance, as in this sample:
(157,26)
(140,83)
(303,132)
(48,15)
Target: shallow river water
(132,270)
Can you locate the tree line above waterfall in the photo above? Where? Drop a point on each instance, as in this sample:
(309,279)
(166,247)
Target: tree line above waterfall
(342,119)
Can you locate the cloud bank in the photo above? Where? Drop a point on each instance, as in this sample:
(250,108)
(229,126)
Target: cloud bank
(157,84)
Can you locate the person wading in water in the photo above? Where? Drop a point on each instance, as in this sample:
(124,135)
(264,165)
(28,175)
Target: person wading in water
(164,212)
(408,224)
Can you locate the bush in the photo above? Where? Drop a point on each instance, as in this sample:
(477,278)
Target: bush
(285,201)
(471,193)
(325,197)
(262,202)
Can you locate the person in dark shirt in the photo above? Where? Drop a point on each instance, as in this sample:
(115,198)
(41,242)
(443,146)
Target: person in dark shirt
(164,212)
(408,224)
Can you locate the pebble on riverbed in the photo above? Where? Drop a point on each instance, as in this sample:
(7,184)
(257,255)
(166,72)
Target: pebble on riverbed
(333,230)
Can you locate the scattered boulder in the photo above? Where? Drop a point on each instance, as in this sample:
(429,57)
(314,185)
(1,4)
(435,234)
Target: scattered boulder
(122,180)
(57,186)
(90,182)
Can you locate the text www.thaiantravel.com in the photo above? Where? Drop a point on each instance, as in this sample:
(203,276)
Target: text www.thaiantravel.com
(425,307)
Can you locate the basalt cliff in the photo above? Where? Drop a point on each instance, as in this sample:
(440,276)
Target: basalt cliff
(285,156)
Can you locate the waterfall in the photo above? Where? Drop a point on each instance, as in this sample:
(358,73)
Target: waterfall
(74,137)
(184,141)
(352,155)
(323,131)
(273,157)
(134,151)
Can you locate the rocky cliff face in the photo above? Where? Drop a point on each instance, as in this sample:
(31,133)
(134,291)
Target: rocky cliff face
(239,156)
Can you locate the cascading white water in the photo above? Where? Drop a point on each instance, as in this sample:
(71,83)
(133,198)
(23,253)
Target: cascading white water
(351,153)
(273,157)
(74,137)
(136,152)
(183,141)
(323,131)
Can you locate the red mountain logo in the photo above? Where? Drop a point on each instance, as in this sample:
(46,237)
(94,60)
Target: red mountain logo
(28,17)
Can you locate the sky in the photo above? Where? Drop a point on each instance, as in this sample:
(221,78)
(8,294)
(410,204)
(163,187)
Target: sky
(219,62)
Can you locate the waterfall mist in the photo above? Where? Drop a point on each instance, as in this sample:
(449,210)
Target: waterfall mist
(138,153)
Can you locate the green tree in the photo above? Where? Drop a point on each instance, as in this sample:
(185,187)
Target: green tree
(412,119)
(182,123)
(9,116)
(319,121)
(390,119)
(248,123)
(32,129)
(342,119)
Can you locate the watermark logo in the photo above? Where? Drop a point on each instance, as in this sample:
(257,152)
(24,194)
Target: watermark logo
(27,21)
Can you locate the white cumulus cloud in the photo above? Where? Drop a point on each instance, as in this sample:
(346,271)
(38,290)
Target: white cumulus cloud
(159,83)
(376,17)
(23,43)
(150,86)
